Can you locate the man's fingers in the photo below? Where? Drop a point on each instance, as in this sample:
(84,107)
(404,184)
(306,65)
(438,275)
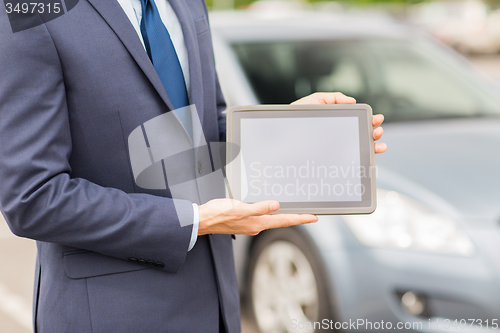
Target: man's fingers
(377,133)
(287,220)
(261,208)
(380,147)
(335,98)
(326,98)
(377,120)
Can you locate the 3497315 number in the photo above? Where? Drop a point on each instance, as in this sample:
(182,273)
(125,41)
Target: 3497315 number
(463,323)
(33,7)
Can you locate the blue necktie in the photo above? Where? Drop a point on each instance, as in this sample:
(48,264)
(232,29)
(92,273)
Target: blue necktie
(162,53)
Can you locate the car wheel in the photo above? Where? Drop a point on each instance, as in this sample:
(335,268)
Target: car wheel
(286,290)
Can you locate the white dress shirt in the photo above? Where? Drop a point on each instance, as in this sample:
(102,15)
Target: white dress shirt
(133,10)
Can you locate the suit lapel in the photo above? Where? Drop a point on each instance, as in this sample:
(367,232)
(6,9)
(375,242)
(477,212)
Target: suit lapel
(116,18)
(191,40)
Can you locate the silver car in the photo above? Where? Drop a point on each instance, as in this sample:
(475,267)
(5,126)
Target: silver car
(428,259)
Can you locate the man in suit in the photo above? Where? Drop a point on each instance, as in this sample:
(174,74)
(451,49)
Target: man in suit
(114,257)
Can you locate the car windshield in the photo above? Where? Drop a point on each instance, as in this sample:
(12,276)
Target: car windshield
(404,80)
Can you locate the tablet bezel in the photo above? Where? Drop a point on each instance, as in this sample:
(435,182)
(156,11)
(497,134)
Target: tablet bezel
(367,153)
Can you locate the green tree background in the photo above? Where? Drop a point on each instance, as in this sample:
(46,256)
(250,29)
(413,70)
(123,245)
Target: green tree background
(362,3)
(245,3)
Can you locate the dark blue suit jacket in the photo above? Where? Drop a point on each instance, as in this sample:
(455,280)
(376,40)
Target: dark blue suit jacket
(71,91)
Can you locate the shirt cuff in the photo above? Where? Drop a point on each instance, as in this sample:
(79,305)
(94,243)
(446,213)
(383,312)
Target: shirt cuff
(196,224)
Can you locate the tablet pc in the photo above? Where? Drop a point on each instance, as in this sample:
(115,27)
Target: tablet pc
(316,159)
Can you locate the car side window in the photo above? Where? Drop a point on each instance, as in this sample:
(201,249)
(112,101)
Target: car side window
(405,80)
(283,72)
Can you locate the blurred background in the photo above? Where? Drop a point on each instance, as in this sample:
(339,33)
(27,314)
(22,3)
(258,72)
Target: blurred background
(431,251)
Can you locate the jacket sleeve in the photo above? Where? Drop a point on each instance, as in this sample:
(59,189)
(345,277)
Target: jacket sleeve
(39,199)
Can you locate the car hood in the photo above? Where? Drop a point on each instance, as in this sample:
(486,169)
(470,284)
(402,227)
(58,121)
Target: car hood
(456,162)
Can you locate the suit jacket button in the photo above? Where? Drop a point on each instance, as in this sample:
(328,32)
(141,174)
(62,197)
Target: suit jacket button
(151,263)
(159,265)
(200,167)
(132,259)
(141,261)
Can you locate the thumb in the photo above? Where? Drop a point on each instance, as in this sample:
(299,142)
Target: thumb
(264,207)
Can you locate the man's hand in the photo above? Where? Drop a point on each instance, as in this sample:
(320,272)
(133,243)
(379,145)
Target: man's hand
(226,216)
(339,98)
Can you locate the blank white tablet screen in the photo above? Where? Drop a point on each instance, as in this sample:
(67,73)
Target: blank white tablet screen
(303,159)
